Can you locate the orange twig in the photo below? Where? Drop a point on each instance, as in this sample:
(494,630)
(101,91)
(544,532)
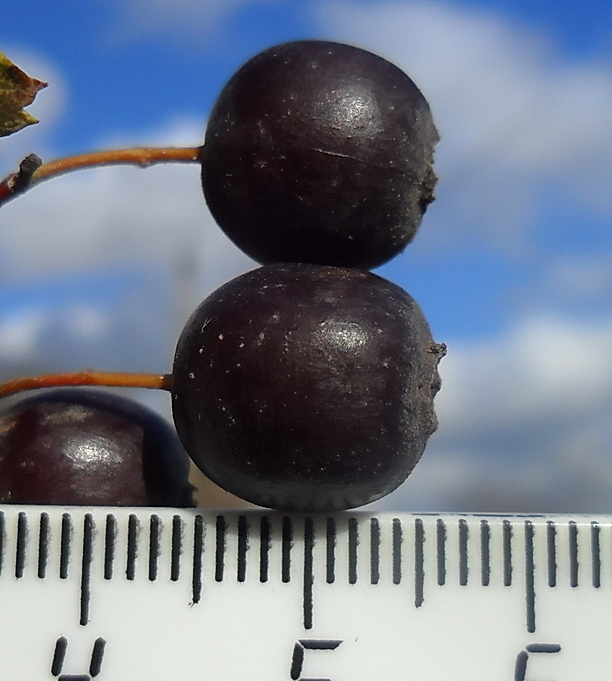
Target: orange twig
(104,378)
(29,176)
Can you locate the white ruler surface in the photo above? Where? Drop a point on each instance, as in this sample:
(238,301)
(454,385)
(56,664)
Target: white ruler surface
(149,594)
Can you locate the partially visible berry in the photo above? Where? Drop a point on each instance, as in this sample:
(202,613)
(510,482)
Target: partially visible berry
(90,447)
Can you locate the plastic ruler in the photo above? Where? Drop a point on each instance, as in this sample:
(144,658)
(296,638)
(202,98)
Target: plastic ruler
(153,594)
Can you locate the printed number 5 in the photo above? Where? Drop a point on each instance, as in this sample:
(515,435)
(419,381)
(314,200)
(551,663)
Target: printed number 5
(520,666)
(297,661)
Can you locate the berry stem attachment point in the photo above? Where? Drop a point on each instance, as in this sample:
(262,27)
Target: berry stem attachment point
(32,171)
(80,378)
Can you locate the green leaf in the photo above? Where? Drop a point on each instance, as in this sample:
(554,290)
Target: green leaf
(17,90)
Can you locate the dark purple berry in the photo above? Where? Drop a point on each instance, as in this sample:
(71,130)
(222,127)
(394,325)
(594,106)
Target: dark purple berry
(306,387)
(319,152)
(90,447)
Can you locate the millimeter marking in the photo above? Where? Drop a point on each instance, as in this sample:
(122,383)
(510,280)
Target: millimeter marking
(416,553)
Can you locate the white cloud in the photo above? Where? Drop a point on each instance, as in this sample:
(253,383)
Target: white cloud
(579,277)
(19,334)
(184,19)
(23,329)
(524,423)
(514,116)
(542,366)
(147,233)
(112,216)
(86,321)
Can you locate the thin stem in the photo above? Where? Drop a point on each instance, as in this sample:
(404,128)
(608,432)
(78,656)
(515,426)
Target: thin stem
(104,378)
(142,157)
(27,177)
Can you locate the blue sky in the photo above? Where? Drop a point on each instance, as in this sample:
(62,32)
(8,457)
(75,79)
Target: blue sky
(512,264)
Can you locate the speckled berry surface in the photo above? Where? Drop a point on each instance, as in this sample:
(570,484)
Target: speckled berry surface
(306,387)
(319,152)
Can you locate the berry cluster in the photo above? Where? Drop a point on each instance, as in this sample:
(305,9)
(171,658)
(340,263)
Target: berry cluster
(306,384)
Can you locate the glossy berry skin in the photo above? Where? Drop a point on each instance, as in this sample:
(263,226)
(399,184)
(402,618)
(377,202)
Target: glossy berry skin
(78,446)
(319,152)
(305,387)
